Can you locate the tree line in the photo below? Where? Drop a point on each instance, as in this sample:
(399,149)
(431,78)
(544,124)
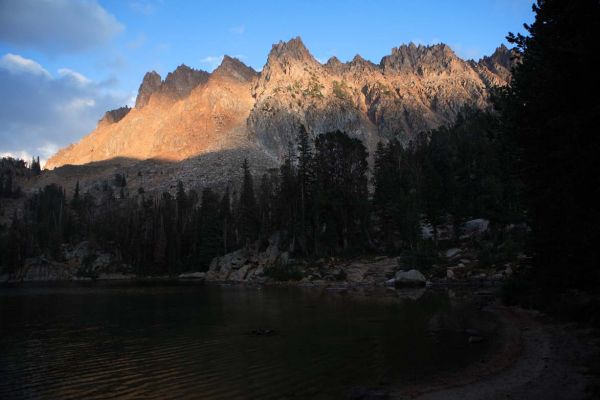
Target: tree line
(323,201)
(11,170)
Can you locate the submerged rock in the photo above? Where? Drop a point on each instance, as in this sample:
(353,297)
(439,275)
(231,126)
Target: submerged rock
(192,275)
(114,276)
(262,332)
(475,339)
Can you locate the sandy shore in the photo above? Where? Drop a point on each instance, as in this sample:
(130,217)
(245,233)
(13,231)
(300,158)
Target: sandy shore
(537,359)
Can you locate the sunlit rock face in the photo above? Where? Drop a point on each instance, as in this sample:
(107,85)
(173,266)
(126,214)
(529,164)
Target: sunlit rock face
(193,112)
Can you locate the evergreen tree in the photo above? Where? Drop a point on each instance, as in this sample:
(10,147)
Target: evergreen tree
(287,196)
(211,228)
(341,174)
(226,221)
(555,124)
(305,185)
(265,206)
(249,223)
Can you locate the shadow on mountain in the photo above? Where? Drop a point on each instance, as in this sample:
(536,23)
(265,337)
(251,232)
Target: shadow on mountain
(216,169)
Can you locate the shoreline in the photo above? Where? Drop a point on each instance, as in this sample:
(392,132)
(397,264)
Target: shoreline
(537,359)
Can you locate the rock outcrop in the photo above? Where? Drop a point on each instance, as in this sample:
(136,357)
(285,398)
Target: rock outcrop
(114,116)
(180,83)
(193,113)
(150,85)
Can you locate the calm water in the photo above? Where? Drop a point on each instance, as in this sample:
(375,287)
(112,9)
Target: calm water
(193,341)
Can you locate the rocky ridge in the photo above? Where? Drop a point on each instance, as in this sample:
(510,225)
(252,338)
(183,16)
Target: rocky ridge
(193,113)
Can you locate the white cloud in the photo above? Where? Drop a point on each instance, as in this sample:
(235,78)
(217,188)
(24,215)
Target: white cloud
(76,105)
(238,30)
(22,154)
(44,153)
(47,150)
(16,64)
(57,26)
(74,75)
(131,100)
(41,113)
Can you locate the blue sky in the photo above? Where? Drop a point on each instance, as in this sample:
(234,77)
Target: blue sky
(64,62)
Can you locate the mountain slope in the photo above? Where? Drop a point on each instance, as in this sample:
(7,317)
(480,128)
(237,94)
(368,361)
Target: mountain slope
(192,112)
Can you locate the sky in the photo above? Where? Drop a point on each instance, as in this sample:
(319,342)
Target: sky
(63,63)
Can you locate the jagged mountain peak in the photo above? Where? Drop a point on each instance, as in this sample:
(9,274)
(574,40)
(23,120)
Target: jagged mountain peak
(333,61)
(500,62)
(234,68)
(293,49)
(182,81)
(502,56)
(418,59)
(152,76)
(416,88)
(177,84)
(150,84)
(358,60)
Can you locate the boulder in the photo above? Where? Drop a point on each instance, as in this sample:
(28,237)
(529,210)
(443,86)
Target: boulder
(102,262)
(474,227)
(410,278)
(239,274)
(453,253)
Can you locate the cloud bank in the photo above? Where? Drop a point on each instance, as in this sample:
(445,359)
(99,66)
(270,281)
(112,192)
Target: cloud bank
(41,112)
(56,26)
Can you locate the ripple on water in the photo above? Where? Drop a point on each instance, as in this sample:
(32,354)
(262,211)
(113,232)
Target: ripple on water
(191,342)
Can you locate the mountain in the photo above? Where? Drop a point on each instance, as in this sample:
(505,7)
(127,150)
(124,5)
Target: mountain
(194,114)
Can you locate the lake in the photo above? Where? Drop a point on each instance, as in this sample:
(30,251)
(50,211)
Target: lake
(160,340)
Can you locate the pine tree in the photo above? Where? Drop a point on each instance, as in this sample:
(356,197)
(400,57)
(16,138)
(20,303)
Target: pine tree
(555,123)
(211,225)
(341,178)
(305,184)
(248,209)
(226,221)
(287,196)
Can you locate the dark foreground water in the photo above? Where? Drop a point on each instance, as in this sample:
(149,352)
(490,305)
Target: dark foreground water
(193,341)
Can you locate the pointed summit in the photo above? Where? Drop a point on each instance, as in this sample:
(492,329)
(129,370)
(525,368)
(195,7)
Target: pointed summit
(360,65)
(500,62)
(502,56)
(418,59)
(180,82)
(234,68)
(333,61)
(150,84)
(293,49)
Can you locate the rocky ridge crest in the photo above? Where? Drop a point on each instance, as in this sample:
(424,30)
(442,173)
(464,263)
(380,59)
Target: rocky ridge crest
(193,113)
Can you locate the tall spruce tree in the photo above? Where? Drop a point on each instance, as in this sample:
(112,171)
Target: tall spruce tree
(555,123)
(305,186)
(249,223)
